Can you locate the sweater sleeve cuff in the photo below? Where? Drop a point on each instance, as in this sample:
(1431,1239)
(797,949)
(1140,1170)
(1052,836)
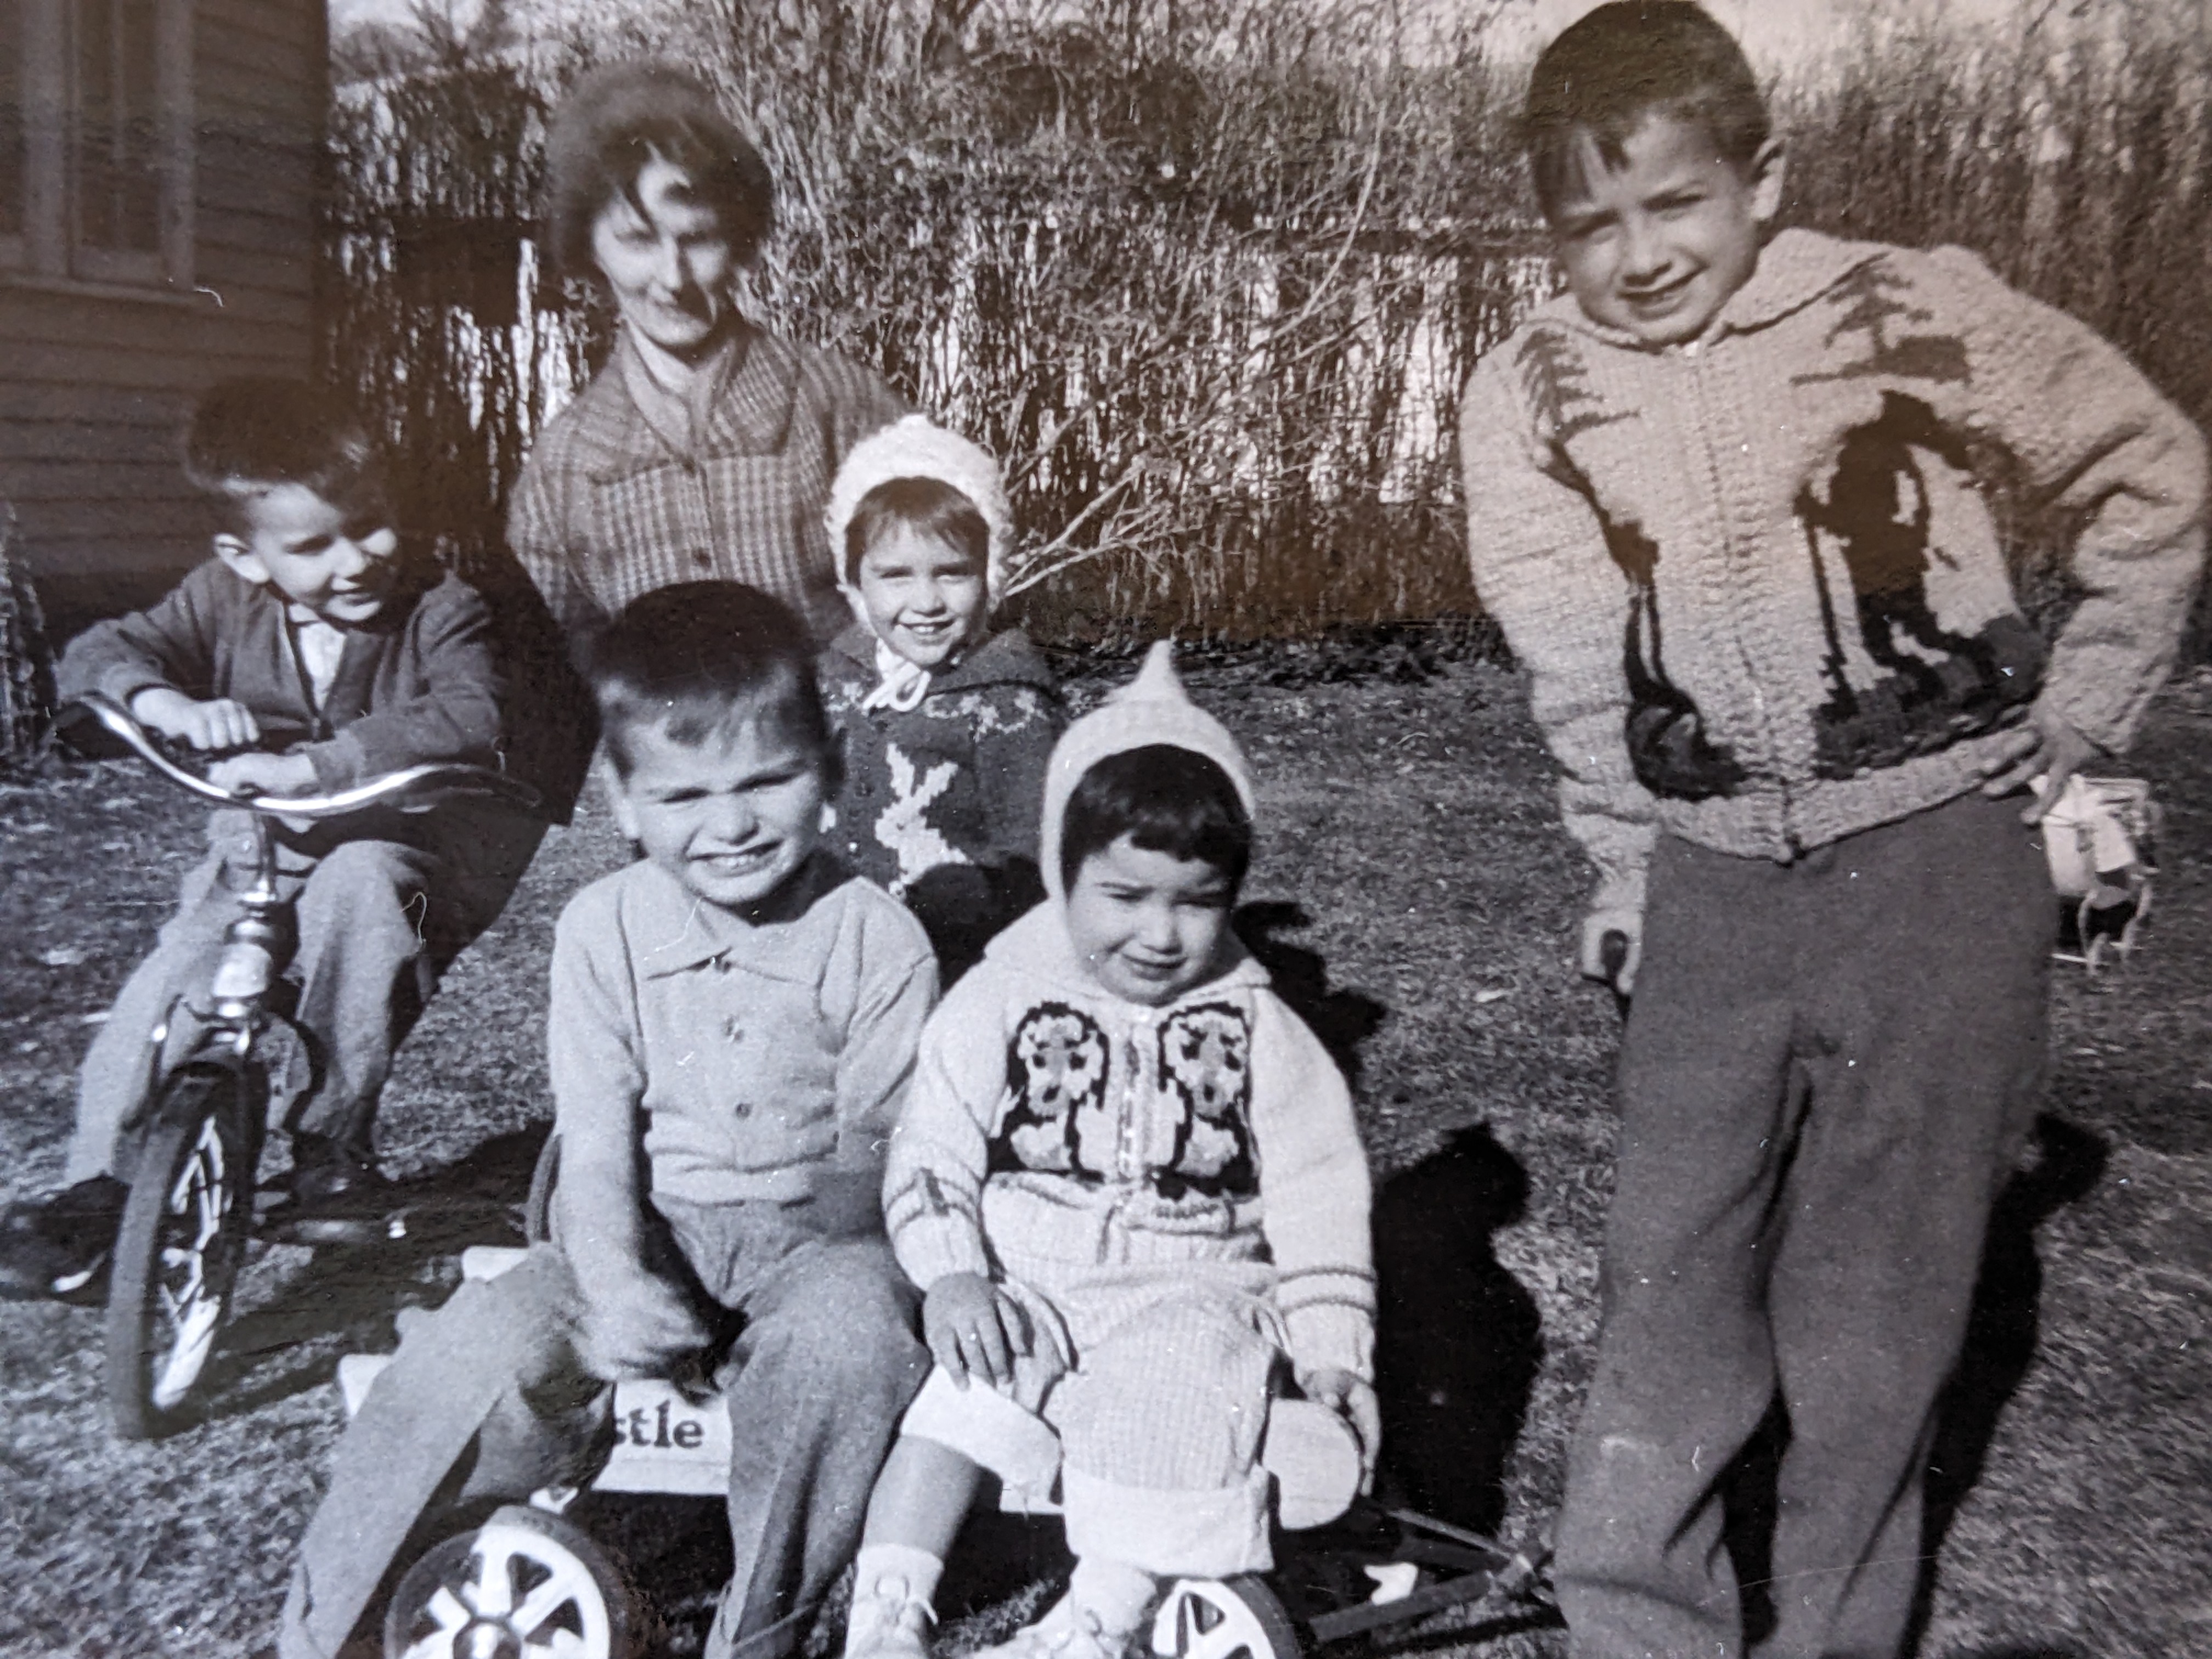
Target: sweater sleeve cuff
(928,1253)
(933,1232)
(1332,1336)
(126,680)
(338,763)
(2106,716)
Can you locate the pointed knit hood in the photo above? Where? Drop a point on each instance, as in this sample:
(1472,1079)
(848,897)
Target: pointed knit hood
(1152,709)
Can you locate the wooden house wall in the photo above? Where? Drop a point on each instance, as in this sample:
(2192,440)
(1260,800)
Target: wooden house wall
(96,382)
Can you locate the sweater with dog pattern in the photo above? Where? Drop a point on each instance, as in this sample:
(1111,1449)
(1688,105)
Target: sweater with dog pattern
(1055,1123)
(1756,579)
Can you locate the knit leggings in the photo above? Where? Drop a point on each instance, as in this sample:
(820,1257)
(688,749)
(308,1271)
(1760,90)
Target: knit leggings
(1158,1420)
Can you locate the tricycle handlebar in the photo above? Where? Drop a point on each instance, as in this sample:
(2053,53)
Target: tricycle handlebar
(423,785)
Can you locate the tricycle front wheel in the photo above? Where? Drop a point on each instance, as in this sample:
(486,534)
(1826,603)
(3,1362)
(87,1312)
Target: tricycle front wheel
(181,1244)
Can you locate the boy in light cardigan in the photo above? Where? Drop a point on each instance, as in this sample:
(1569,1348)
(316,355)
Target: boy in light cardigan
(1727,497)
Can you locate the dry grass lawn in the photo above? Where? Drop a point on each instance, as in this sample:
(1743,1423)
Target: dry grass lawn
(1421,892)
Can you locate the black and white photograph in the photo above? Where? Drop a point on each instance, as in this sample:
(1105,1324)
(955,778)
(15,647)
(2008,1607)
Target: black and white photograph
(1086,828)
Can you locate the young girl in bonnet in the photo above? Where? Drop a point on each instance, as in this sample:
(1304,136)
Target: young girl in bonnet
(948,726)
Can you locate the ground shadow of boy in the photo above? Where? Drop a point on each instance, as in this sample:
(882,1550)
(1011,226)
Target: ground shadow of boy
(1458,1340)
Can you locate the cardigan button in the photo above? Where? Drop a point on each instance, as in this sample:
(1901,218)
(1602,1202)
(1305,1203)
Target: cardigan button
(701,558)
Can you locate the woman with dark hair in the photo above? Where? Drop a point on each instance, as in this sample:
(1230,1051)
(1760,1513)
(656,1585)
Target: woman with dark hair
(706,446)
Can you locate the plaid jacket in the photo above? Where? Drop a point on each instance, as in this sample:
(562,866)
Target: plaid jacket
(608,506)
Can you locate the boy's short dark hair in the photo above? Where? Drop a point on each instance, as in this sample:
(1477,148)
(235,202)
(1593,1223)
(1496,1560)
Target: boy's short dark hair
(616,119)
(1627,60)
(697,658)
(928,506)
(250,434)
(1165,799)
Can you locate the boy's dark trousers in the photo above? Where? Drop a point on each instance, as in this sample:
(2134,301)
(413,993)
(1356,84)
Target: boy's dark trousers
(377,922)
(1827,1072)
(815,1385)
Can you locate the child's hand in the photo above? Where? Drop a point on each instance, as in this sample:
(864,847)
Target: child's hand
(845,1203)
(2046,747)
(218,723)
(1353,1399)
(1629,924)
(641,1331)
(265,775)
(974,1328)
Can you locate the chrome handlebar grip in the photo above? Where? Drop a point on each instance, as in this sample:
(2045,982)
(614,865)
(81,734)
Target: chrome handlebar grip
(421,786)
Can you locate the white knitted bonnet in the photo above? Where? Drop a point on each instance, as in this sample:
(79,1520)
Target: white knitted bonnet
(917,447)
(1153,708)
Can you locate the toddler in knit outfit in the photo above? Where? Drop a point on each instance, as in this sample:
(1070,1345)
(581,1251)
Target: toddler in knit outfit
(947,724)
(1729,496)
(313,652)
(733,1023)
(1128,1181)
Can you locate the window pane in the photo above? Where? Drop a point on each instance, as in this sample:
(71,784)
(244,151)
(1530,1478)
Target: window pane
(117,166)
(12,45)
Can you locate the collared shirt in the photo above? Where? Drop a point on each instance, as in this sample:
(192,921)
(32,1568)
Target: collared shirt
(631,488)
(320,645)
(755,1052)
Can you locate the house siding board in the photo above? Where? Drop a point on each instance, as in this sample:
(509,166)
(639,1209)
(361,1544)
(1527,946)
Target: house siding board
(84,408)
(94,387)
(126,442)
(292,26)
(253,233)
(175,359)
(236,96)
(259,71)
(172,518)
(144,482)
(254,183)
(250,321)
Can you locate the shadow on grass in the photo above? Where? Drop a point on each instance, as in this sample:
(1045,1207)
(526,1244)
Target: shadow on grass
(1459,1639)
(2001,1334)
(1999,1347)
(1342,1019)
(283,1347)
(1459,1338)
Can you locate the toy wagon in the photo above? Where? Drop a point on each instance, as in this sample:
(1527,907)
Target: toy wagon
(530,1582)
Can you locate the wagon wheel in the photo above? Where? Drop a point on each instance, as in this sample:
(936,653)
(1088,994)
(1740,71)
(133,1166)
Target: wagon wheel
(525,1585)
(1237,1618)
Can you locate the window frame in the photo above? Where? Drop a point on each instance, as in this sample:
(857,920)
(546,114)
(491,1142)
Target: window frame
(50,249)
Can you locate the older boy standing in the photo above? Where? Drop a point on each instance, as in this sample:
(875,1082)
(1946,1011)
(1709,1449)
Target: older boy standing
(1726,498)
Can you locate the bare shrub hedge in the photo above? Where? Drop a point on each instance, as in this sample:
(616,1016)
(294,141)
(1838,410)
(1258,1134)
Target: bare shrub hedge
(1207,277)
